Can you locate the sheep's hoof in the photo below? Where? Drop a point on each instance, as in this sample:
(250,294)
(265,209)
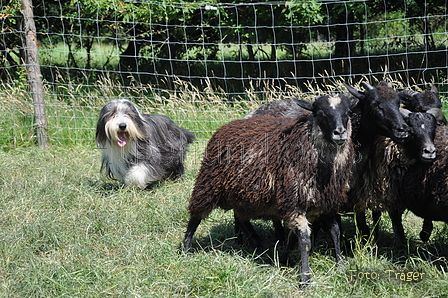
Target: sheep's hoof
(426,230)
(256,251)
(284,259)
(184,250)
(304,280)
(341,263)
(424,236)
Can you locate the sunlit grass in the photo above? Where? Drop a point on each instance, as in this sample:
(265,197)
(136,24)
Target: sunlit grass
(67,230)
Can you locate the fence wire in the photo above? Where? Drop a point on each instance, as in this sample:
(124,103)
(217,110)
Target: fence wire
(215,57)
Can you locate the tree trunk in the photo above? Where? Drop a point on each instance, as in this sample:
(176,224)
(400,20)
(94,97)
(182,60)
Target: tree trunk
(129,58)
(344,44)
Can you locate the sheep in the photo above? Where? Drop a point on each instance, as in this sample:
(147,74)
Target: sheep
(279,108)
(425,187)
(377,114)
(422,102)
(388,163)
(277,168)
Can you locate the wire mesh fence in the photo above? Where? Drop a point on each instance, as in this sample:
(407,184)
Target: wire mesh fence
(205,63)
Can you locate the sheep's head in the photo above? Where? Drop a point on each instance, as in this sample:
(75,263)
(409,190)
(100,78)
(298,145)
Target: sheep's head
(426,101)
(380,110)
(331,115)
(420,101)
(422,133)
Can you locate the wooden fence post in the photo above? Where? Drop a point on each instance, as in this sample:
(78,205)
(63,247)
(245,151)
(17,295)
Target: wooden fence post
(34,74)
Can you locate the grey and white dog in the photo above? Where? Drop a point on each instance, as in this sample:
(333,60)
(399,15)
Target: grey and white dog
(139,149)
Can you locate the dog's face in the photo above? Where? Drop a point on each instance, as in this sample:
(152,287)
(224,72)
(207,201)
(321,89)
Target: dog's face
(119,122)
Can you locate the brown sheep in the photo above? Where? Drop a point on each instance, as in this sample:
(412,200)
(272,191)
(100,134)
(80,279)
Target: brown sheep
(277,168)
(377,114)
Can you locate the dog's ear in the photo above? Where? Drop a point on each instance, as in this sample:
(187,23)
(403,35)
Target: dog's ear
(100,135)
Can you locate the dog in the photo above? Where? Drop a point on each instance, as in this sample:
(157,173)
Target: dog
(140,149)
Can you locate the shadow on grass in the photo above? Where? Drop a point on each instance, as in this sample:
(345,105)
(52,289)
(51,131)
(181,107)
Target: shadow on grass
(222,237)
(106,188)
(435,251)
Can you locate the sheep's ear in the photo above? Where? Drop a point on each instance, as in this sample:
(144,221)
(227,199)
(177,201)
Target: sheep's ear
(307,105)
(434,89)
(438,114)
(405,112)
(355,92)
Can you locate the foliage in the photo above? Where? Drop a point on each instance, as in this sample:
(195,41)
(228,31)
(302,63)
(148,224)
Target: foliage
(190,38)
(10,16)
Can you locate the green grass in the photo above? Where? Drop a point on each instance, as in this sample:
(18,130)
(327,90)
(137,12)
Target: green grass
(68,231)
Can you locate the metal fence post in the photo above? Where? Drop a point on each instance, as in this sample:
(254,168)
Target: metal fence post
(34,75)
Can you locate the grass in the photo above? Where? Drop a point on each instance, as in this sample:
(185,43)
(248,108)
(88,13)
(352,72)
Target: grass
(68,231)
(72,109)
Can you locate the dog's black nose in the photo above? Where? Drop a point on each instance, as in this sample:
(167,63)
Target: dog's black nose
(122,126)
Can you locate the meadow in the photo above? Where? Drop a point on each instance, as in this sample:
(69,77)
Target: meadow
(68,231)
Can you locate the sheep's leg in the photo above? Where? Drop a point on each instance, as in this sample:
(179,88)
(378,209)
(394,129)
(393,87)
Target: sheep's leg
(304,239)
(303,235)
(376,215)
(426,230)
(299,226)
(397,225)
(279,231)
(191,229)
(290,244)
(335,232)
(361,223)
(318,223)
(247,228)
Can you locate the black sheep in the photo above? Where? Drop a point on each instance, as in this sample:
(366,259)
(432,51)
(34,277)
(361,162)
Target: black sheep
(425,187)
(390,161)
(277,168)
(426,101)
(423,102)
(279,108)
(377,114)
(420,101)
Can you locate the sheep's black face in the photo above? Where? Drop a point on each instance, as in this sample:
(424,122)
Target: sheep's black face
(427,100)
(420,102)
(331,115)
(380,107)
(385,111)
(421,139)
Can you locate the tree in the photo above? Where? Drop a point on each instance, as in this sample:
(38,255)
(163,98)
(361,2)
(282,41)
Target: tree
(11,52)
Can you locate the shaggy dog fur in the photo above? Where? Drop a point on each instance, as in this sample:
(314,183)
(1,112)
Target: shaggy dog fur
(140,149)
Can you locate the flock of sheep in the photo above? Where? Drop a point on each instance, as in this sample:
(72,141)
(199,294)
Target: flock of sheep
(299,163)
